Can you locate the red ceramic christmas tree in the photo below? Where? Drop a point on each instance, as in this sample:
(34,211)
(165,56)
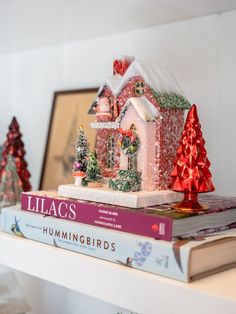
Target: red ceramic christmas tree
(191,173)
(14,146)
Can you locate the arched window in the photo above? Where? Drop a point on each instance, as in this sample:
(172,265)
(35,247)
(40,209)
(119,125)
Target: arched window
(139,88)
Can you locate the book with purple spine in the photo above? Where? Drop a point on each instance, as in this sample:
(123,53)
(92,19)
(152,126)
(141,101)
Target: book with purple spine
(158,222)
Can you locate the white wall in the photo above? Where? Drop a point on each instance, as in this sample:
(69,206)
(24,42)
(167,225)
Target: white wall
(200,52)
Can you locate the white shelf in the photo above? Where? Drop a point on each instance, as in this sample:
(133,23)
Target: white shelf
(129,288)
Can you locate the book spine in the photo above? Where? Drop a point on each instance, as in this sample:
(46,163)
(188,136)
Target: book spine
(125,249)
(100,215)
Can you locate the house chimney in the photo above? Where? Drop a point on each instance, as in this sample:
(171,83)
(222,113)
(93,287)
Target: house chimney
(121,64)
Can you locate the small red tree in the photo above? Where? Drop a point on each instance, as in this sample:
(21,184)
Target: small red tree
(14,146)
(191,173)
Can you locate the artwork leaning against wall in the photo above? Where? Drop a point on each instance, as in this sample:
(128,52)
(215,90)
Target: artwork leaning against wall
(69,112)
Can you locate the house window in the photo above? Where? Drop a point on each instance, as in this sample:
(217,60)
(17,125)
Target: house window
(111,103)
(110,152)
(139,88)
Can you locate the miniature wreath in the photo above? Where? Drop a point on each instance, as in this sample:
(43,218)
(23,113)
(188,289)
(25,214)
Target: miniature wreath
(129,142)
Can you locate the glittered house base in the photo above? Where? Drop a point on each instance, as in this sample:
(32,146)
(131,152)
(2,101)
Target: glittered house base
(130,199)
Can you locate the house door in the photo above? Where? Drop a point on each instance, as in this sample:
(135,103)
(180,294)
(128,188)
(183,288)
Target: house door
(132,162)
(132,158)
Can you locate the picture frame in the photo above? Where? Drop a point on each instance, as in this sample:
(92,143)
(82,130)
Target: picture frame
(69,111)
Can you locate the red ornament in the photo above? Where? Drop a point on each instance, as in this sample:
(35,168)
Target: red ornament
(14,146)
(191,173)
(128,133)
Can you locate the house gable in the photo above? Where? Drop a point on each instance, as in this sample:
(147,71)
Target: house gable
(140,114)
(144,108)
(158,81)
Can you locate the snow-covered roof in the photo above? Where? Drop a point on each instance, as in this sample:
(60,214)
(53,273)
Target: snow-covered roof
(113,82)
(158,77)
(143,106)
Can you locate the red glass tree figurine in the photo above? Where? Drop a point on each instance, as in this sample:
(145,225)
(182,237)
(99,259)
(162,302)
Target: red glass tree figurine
(191,173)
(14,146)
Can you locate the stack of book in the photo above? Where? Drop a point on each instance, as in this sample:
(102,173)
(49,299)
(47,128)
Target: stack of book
(155,239)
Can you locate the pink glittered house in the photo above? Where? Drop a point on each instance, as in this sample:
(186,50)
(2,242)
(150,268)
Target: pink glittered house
(139,120)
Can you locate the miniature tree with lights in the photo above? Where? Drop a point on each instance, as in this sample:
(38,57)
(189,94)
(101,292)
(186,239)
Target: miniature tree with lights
(10,188)
(82,151)
(191,173)
(14,146)
(93,172)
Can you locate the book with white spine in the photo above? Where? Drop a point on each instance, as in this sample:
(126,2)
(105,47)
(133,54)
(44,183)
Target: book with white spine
(184,260)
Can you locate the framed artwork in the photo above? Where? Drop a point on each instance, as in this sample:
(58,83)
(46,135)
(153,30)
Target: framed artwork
(69,111)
